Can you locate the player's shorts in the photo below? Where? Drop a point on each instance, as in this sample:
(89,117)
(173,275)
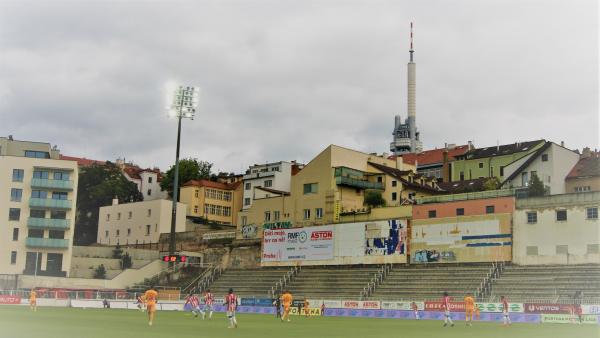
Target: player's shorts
(469,311)
(33,302)
(151,307)
(286,308)
(230,314)
(447,313)
(505,313)
(208,307)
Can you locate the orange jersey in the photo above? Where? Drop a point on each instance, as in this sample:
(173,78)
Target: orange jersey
(32,295)
(286,299)
(150,296)
(469,303)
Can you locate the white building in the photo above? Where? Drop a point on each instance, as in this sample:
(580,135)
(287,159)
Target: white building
(273,176)
(39,192)
(147,180)
(559,229)
(138,222)
(551,163)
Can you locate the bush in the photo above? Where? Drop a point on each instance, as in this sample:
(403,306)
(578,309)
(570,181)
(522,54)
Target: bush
(117,252)
(126,262)
(374,199)
(100,272)
(536,187)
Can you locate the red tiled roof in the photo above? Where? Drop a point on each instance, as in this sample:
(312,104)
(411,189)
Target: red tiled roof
(82,161)
(432,156)
(585,167)
(211,184)
(135,171)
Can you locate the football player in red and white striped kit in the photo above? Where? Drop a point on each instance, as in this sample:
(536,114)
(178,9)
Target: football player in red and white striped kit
(208,304)
(231,304)
(446,307)
(194,304)
(506,318)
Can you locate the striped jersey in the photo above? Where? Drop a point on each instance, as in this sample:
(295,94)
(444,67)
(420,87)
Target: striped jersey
(193,301)
(504,305)
(208,298)
(446,303)
(231,301)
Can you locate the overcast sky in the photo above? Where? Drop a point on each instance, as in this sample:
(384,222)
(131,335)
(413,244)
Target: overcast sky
(281,80)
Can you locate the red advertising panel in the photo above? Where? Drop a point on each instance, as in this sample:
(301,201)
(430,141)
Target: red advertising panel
(547,308)
(6,299)
(437,306)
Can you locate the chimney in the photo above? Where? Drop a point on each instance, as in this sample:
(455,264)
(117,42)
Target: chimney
(587,152)
(115,201)
(471,147)
(562,144)
(10,138)
(445,167)
(397,121)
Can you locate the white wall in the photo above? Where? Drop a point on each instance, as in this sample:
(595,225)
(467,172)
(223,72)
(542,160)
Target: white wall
(159,220)
(281,179)
(577,232)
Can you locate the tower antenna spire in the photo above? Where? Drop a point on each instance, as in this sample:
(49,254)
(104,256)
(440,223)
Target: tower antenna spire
(411,51)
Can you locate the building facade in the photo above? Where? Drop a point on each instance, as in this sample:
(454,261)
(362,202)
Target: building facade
(138,222)
(462,230)
(335,184)
(39,203)
(585,175)
(558,229)
(491,161)
(436,162)
(551,163)
(275,176)
(213,201)
(147,180)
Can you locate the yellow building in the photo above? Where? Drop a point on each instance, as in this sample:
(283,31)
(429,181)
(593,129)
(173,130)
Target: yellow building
(331,187)
(214,201)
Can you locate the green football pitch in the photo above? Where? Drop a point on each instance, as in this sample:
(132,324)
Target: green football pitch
(19,322)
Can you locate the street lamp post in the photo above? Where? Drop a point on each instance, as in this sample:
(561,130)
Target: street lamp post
(183,105)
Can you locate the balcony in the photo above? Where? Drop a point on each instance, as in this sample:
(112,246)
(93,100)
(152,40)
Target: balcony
(46,243)
(356,183)
(48,223)
(42,183)
(50,203)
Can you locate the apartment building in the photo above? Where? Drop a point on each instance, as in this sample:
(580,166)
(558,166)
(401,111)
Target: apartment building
(213,201)
(38,196)
(147,180)
(138,222)
(273,176)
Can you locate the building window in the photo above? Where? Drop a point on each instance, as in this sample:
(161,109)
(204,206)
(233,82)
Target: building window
(480,165)
(17,175)
(591,213)
(319,213)
(244,220)
(118,216)
(37,154)
(107,217)
(34,213)
(14,214)
(490,209)
(59,196)
(532,251)
(460,211)
(147,229)
(276,216)
(13,257)
(195,209)
(150,179)
(149,192)
(196,193)
(16,195)
(311,188)
(149,212)
(106,233)
(248,186)
(306,213)
(501,170)
(562,249)
(227,211)
(35,233)
(39,194)
(531,217)
(128,231)
(561,215)
(118,232)
(394,183)
(56,234)
(432,213)
(593,249)
(40,174)
(60,176)
(379,179)
(247,201)
(394,196)
(15,234)
(462,175)
(268,183)
(583,189)
(130,214)
(227,196)
(544,157)
(155,227)
(267,216)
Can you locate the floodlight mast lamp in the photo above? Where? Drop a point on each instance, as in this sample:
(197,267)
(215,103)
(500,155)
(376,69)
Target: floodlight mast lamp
(185,101)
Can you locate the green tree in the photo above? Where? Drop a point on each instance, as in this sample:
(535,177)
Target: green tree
(189,169)
(374,199)
(536,187)
(98,185)
(491,184)
(126,262)
(100,272)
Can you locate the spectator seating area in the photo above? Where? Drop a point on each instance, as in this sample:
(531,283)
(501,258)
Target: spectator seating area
(548,283)
(429,281)
(251,282)
(332,282)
